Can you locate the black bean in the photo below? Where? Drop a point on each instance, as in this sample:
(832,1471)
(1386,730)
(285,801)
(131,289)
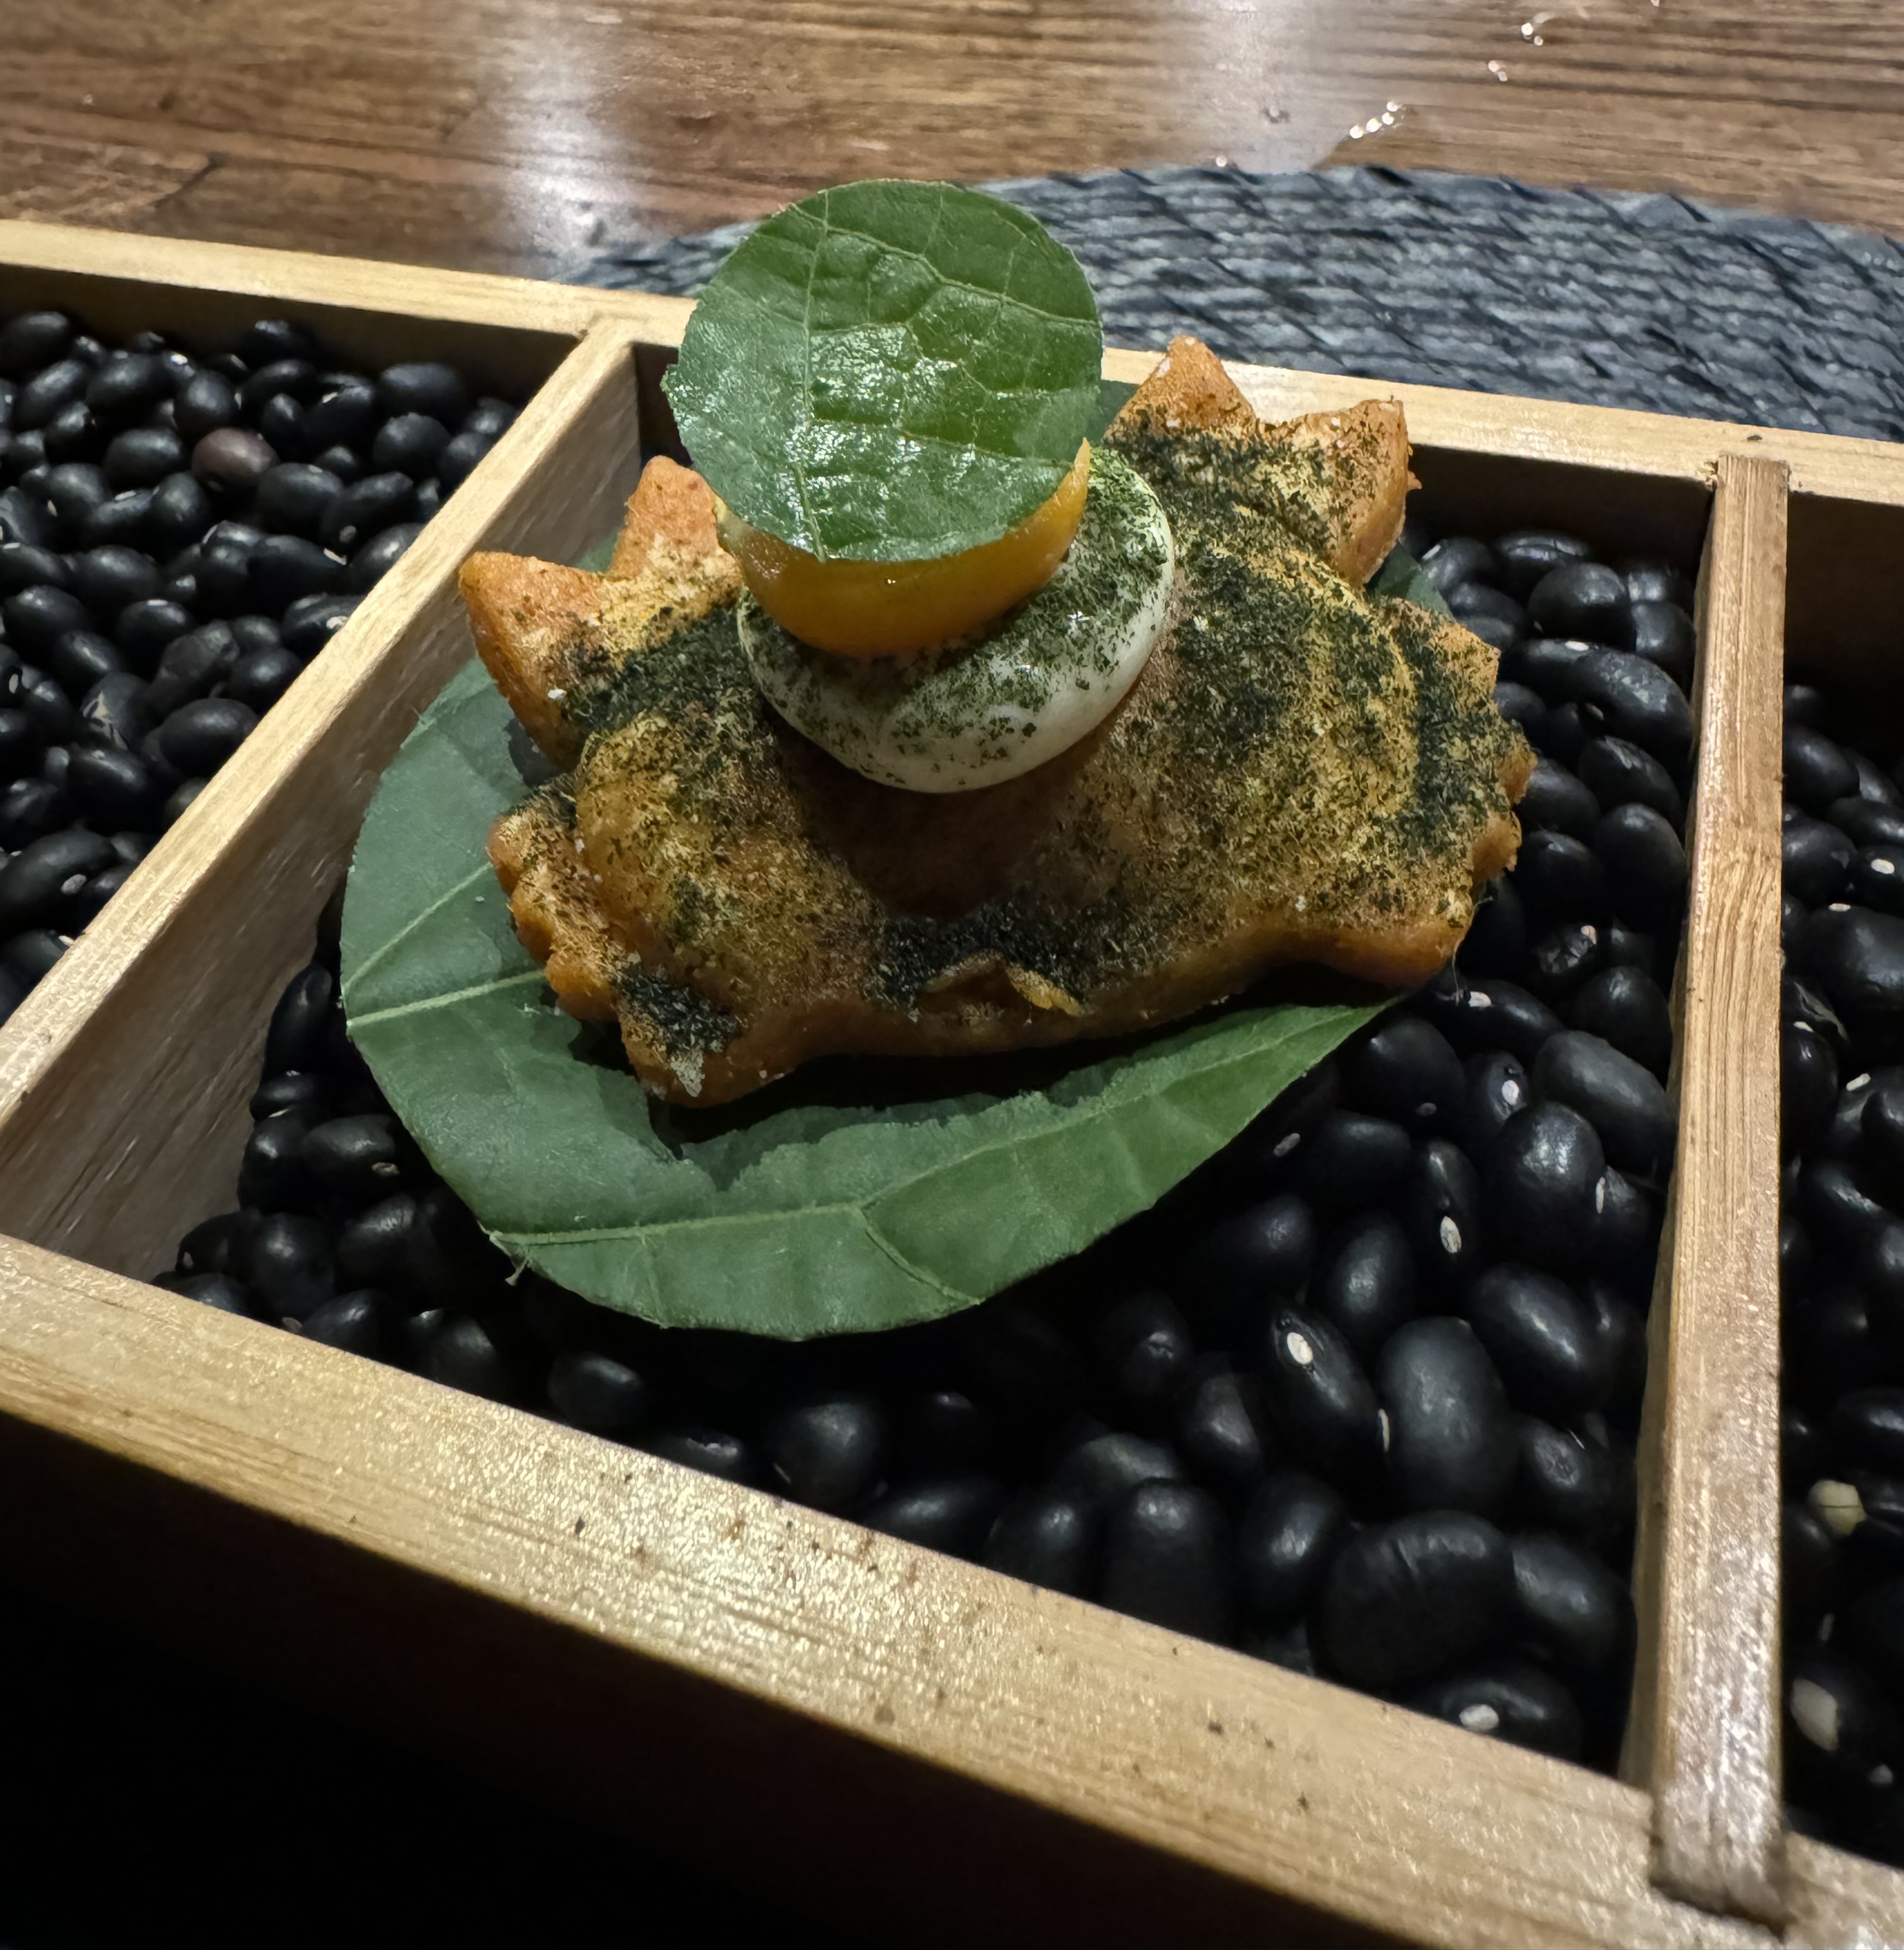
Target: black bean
(1406,1071)
(1625,1007)
(281,422)
(34,339)
(217,1290)
(1623,1101)
(273,1176)
(258,682)
(1222,1430)
(1542,1179)
(1804,705)
(1496,1087)
(291,1091)
(1657,582)
(127,386)
(53,387)
(31,955)
(355,1157)
(711,1452)
(295,1039)
(1352,1160)
(1045,1537)
(294,498)
(491,417)
(343,415)
(1857,958)
(81,658)
(1875,786)
(1441,1206)
(1098,1474)
(36,618)
(1626,1236)
(282,568)
(1842,1735)
(81,909)
(143,630)
(1294,1525)
(1019,1367)
(342,461)
(74,490)
(1452,1443)
(953,1515)
(1319,1395)
(1524,559)
(410,443)
(1808,1570)
(1555,801)
(460,457)
(1541,1339)
(198,737)
(1832,1345)
(1166,1558)
(1563,956)
(1493,1013)
(944,1433)
(20,745)
(1646,862)
(1570,1604)
(1365,1284)
(1876,879)
(462,1354)
(1619,773)
(233,458)
(1497,941)
(112,790)
(256,633)
(1562,878)
(1521,704)
(191,666)
(143,458)
(1804,1453)
(294,376)
(1405,1599)
(378,502)
(1585,600)
(1662,633)
(355,1323)
(372,1248)
(1146,1353)
(378,556)
(1547,666)
(1620,1328)
(25,566)
(224,571)
(288,1263)
(205,403)
(313,621)
(106,579)
(1816,857)
(28,808)
(1867,1426)
(1624,697)
(1574,1480)
(54,717)
(1475,602)
(1458,560)
(1874,1620)
(593,1392)
(1881,1148)
(72,433)
(1252,1256)
(1509,1699)
(1817,770)
(44,873)
(424,386)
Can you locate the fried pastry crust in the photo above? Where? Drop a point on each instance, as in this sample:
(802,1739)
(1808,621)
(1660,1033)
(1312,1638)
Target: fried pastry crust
(1303,773)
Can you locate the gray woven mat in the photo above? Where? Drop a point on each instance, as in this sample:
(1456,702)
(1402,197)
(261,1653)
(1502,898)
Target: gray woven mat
(1629,300)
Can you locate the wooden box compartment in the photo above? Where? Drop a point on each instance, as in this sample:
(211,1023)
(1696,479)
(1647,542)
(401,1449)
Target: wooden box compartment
(844,1716)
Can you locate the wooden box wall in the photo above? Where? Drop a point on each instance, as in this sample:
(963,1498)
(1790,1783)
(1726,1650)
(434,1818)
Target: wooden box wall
(841,1715)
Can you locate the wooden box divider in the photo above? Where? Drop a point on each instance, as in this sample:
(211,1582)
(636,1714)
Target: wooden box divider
(775,1667)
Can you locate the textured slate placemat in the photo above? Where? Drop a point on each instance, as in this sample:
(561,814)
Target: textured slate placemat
(1651,301)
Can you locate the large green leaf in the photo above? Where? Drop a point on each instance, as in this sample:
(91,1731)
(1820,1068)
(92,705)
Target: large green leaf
(853,1196)
(890,370)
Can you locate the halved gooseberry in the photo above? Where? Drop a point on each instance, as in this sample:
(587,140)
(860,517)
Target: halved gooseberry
(894,609)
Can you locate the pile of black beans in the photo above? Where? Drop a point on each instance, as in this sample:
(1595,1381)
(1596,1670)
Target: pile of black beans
(1841,1268)
(179,535)
(1360,1397)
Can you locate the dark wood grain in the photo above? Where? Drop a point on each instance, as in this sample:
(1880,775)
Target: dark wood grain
(514,136)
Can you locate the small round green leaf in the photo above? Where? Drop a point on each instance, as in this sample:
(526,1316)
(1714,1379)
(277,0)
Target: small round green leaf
(889,372)
(851,1198)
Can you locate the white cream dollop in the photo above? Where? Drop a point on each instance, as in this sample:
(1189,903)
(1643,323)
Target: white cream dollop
(987,710)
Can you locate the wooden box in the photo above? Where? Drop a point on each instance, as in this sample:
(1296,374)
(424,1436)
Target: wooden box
(852,1722)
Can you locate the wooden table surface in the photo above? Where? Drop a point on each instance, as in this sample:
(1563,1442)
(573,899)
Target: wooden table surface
(514,134)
